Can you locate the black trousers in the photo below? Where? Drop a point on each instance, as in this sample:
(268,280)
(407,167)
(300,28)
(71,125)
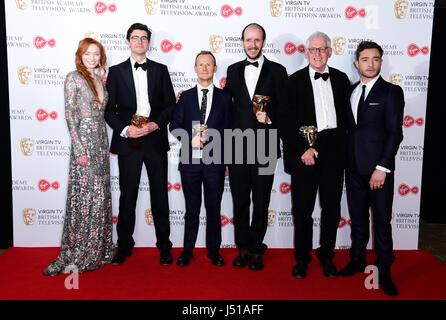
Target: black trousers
(360,198)
(130,167)
(327,176)
(244,179)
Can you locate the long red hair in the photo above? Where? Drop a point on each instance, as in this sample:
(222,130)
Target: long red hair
(82,69)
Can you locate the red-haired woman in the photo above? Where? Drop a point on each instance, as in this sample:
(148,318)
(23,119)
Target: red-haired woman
(87,232)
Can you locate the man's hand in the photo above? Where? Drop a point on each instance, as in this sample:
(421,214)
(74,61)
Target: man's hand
(197,142)
(179,95)
(262,117)
(135,132)
(377,180)
(308,157)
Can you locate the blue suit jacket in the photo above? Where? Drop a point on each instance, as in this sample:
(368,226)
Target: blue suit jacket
(187,111)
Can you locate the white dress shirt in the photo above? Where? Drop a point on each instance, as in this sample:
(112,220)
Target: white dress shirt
(252,75)
(354,101)
(323,102)
(209,100)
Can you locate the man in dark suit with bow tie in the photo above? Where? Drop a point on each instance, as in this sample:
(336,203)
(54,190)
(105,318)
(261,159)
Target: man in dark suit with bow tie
(315,96)
(143,87)
(375,132)
(202,105)
(254,75)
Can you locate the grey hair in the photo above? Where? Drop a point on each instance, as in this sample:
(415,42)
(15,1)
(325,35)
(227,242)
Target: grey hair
(318,34)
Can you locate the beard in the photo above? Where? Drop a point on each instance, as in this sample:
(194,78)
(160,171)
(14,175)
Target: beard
(258,55)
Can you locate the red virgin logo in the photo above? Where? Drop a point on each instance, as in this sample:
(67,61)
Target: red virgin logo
(167,46)
(225,221)
(351,12)
(413,50)
(222,82)
(44,185)
(404,189)
(40,42)
(410,121)
(100,7)
(285,187)
(291,48)
(176,186)
(42,115)
(227,11)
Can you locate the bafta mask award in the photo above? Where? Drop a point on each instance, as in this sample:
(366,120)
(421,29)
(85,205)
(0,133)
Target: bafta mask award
(139,121)
(260,102)
(200,130)
(309,133)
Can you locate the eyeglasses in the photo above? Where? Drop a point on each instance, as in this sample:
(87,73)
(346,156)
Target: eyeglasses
(137,39)
(321,50)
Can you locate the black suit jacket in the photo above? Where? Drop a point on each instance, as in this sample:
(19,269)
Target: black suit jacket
(188,110)
(270,83)
(297,109)
(375,138)
(121,105)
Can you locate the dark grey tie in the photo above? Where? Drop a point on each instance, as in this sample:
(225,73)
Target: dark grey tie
(204,102)
(361,104)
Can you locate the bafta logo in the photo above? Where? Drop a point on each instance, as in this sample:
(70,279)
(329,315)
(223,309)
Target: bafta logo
(24,74)
(27,146)
(29,216)
(396,78)
(401,7)
(271,217)
(275,7)
(339,45)
(151,6)
(92,35)
(216,43)
(21,4)
(149,217)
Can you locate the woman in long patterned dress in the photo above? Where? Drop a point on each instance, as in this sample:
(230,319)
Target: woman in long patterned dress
(87,242)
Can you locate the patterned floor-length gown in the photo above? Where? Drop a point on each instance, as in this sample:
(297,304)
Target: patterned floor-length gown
(87,242)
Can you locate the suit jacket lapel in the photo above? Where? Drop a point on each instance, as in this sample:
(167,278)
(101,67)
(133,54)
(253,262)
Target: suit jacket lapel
(311,111)
(149,80)
(374,90)
(241,71)
(127,75)
(214,107)
(262,76)
(351,118)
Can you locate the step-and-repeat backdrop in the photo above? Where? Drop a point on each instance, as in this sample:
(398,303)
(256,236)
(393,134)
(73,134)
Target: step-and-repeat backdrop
(42,37)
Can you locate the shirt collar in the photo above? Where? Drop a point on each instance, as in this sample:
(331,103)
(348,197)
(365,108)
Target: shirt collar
(312,71)
(259,60)
(369,84)
(210,87)
(132,62)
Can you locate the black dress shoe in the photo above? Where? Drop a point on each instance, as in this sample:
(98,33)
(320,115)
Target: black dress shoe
(256,262)
(329,269)
(216,258)
(119,258)
(299,270)
(184,259)
(166,257)
(352,268)
(387,285)
(242,259)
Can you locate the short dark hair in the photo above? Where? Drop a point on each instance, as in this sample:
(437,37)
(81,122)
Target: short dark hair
(363,45)
(257,25)
(138,26)
(203,52)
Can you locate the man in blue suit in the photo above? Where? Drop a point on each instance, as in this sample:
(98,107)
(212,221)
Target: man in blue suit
(203,105)
(374,124)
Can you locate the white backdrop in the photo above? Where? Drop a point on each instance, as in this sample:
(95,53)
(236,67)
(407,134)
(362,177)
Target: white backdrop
(42,37)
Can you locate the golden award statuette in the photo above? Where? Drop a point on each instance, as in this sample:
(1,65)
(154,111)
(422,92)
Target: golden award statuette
(309,133)
(200,130)
(139,121)
(260,102)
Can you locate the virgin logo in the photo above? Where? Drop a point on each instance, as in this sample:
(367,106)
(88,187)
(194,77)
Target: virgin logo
(225,221)
(413,50)
(410,121)
(42,115)
(45,185)
(222,82)
(100,7)
(343,222)
(227,11)
(40,42)
(285,187)
(351,12)
(176,186)
(167,46)
(291,48)
(404,190)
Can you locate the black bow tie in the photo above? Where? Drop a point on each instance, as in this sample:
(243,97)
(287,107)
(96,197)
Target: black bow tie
(142,65)
(324,76)
(255,64)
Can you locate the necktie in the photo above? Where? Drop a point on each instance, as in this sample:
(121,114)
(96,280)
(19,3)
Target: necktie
(324,76)
(361,104)
(204,102)
(255,64)
(142,65)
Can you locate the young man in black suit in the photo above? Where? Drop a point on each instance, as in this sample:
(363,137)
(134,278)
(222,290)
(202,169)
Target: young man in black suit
(375,132)
(143,87)
(315,96)
(207,105)
(253,75)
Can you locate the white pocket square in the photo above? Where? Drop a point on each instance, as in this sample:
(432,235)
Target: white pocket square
(374,104)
